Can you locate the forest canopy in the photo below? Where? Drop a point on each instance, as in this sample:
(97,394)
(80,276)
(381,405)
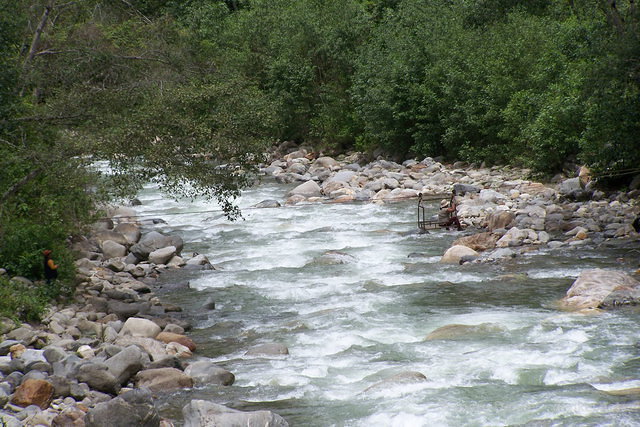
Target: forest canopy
(190,94)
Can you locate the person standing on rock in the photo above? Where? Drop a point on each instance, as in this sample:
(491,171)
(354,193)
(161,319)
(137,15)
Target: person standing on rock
(50,267)
(448,215)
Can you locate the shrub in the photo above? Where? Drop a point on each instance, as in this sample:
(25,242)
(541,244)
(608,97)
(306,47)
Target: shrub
(22,302)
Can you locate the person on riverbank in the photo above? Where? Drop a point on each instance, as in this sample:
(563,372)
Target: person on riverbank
(50,267)
(448,215)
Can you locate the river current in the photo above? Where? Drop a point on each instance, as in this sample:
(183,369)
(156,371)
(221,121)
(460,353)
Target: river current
(350,326)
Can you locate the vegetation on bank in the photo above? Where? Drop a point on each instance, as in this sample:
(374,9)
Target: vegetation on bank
(190,93)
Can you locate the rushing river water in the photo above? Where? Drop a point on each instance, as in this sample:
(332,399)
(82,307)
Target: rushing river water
(350,326)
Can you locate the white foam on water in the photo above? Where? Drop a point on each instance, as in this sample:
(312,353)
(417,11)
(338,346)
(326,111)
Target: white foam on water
(369,318)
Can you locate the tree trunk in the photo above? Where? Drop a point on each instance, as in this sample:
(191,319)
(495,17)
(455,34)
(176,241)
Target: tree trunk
(36,37)
(35,42)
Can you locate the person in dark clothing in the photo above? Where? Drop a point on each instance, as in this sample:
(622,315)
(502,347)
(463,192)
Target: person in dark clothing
(448,215)
(636,224)
(50,267)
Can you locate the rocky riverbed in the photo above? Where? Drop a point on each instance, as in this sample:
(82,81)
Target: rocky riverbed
(103,357)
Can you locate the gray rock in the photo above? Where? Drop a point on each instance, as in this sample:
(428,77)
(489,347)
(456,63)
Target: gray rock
(132,408)
(131,259)
(10,421)
(5,345)
(462,189)
(61,386)
(98,378)
(111,249)
(115,264)
(138,327)
(307,189)
(110,235)
(14,380)
(4,396)
(130,231)
(198,413)
(23,334)
(127,363)
(79,391)
(126,310)
(206,372)
(162,255)
(333,258)
(166,362)
(153,241)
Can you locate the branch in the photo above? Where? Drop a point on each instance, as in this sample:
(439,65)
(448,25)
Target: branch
(147,20)
(55,52)
(15,187)
(42,118)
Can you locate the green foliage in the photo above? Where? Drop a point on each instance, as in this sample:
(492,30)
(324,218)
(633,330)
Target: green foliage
(301,54)
(27,303)
(190,93)
(22,245)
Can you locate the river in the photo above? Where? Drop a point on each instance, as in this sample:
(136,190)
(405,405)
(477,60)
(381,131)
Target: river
(350,326)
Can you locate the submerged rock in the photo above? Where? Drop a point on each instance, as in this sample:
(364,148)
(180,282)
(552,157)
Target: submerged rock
(271,349)
(461,332)
(334,257)
(408,377)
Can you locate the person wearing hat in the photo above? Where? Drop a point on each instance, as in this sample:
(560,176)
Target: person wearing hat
(50,267)
(447,215)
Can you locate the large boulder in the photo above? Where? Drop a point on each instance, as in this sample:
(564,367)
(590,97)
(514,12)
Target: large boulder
(111,249)
(478,242)
(113,236)
(98,378)
(198,413)
(602,289)
(454,254)
(513,237)
(138,327)
(132,408)
(127,363)
(162,255)
(205,372)
(163,379)
(130,231)
(153,241)
(502,219)
(307,189)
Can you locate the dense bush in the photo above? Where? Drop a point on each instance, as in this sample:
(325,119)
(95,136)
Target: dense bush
(23,302)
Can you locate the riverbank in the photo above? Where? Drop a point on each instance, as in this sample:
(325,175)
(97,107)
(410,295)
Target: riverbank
(107,279)
(98,358)
(516,214)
